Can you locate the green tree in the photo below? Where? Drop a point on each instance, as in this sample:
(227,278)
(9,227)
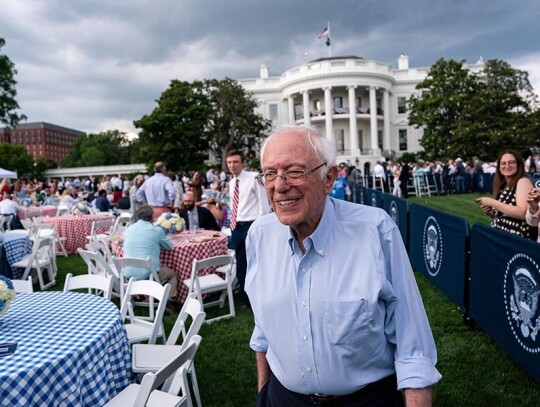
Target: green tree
(465,113)
(8,104)
(175,130)
(105,148)
(233,122)
(15,158)
(41,165)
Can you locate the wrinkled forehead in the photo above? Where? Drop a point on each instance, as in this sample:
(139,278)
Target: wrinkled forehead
(289,148)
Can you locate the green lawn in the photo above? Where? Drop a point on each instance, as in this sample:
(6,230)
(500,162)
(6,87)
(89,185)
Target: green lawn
(476,371)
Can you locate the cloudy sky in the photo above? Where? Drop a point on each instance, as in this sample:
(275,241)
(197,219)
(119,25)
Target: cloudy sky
(96,65)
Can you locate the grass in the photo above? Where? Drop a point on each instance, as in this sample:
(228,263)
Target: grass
(476,371)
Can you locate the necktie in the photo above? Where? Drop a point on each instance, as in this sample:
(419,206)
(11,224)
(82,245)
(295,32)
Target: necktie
(236,196)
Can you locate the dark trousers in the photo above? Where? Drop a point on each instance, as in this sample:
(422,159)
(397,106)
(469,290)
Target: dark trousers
(382,393)
(238,244)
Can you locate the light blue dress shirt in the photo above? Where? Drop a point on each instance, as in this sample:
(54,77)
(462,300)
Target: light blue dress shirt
(142,240)
(158,190)
(345,314)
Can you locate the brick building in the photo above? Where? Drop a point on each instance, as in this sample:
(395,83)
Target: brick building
(42,139)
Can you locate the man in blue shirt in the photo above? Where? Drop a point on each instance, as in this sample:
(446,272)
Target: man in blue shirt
(102,203)
(338,316)
(158,191)
(142,240)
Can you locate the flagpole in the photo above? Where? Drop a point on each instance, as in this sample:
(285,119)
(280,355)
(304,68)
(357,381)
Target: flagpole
(330,46)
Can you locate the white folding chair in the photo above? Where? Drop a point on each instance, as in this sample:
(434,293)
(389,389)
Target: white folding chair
(139,329)
(210,283)
(101,229)
(31,214)
(122,262)
(170,375)
(98,265)
(40,259)
(150,358)
(91,282)
(23,286)
(121,223)
(45,230)
(62,210)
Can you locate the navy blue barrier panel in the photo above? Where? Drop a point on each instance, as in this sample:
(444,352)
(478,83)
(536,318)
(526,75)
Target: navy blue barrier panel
(504,292)
(398,209)
(438,244)
(357,191)
(373,197)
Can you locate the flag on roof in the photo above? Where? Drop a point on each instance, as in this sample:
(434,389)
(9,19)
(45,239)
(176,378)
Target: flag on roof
(325,32)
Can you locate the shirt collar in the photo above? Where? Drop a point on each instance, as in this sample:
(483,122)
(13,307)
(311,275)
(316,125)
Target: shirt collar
(319,238)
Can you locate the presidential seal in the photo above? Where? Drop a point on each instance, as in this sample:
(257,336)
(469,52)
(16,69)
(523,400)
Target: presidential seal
(394,212)
(521,290)
(433,246)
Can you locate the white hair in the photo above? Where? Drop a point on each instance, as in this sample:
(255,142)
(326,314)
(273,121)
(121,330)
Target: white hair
(324,150)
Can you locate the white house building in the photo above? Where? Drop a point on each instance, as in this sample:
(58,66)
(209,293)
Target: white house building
(359,104)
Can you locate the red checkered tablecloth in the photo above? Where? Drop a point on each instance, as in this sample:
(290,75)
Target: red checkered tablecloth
(184,251)
(47,210)
(75,228)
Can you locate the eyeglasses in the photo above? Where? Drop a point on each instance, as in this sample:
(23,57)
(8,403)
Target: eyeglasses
(291,178)
(508,163)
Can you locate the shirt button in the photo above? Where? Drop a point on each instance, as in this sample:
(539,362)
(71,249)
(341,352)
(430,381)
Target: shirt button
(303,304)
(309,370)
(304,270)
(306,337)
(321,252)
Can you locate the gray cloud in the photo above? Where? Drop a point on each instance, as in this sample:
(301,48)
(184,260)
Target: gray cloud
(96,64)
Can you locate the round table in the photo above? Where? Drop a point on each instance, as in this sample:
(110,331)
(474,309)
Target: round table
(72,350)
(75,228)
(185,250)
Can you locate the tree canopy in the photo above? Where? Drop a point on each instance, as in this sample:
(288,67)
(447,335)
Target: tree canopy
(8,104)
(14,157)
(464,113)
(105,148)
(194,118)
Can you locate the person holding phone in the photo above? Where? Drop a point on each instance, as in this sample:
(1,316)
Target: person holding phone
(510,189)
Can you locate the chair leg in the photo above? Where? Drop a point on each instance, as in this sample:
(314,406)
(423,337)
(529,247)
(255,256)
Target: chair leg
(62,247)
(195,385)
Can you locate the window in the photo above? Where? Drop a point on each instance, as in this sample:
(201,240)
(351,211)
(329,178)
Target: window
(361,139)
(402,139)
(401,105)
(317,104)
(358,102)
(338,102)
(379,138)
(273,111)
(298,111)
(340,140)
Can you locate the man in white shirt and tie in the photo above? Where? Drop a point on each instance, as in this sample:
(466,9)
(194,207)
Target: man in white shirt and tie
(248,201)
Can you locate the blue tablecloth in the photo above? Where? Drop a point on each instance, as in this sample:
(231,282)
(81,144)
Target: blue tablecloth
(15,250)
(72,351)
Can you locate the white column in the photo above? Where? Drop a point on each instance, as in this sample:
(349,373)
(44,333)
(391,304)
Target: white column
(290,100)
(353,125)
(386,113)
(305,95)
(328,114)
(373,120)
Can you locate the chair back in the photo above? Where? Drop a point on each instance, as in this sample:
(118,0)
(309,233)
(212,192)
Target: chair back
(32,214)
(98,265)
(169,375)
(122,262)
(122,222)
(151,289)
(23,286)
(191,308)
(62,210)
(96,282)
(100,227)
(216,261)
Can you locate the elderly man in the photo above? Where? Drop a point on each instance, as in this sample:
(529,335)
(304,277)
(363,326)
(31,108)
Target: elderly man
(337,311)
(201,216)
(142,240)
(158,191)
(9,207)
